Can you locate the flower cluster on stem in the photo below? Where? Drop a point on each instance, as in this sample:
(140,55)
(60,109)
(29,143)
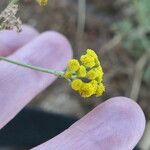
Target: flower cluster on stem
(86,75)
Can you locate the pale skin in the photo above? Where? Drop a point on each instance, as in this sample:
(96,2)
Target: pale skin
(116,124)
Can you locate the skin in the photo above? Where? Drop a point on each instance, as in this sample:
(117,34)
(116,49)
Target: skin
(116,124)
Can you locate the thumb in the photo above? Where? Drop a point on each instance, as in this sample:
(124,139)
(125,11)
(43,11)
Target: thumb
(116,124)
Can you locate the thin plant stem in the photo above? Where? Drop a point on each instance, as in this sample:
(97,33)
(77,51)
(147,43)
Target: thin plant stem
(40,69)
(81,24)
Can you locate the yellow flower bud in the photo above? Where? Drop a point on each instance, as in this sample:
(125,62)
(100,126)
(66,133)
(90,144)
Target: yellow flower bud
(76,84)
(99,72)
(88,61)
(67,74)
(94,84)
(99,79)
(92,74)
(97,62)
(94,55)
(100,90)
(73,65)
(91,53)
(86,78)
(86,90)
(82,71)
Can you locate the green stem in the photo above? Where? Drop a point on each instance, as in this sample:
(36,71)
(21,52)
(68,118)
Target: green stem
(14,1)
(50,71)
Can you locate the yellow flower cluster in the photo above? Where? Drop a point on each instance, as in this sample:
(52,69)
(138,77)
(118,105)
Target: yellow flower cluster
(42,2)
(86,76)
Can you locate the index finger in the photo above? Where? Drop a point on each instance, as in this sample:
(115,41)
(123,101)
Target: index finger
(18,86)
(10,40)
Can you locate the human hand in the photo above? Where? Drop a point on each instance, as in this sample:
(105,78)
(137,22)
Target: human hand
(116,124)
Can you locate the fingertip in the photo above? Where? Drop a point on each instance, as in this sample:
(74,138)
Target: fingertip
(131,109)
(132,124)
(118,121)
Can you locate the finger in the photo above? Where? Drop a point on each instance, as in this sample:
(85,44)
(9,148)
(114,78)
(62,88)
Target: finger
(115,124)
(19,85)
(10,40)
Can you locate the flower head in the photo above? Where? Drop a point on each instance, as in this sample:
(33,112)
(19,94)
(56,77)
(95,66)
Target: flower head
(86,90)
(95,85)
(42,2)
(92,53)
(92,74)
(100,89)
(76,84)
(73,65)
(86,76)
(88,61)
(68,74)
(81,71)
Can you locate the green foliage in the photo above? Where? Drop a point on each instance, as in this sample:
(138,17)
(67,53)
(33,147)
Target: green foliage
(136,27)
(142,13)
(147,74)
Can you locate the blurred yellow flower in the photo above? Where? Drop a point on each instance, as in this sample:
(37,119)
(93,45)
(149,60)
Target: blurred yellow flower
(86,76)
(42,2)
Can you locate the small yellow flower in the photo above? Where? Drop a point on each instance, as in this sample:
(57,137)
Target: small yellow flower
(76,84)
(73,65)
(88,61)
(97,62)
(94,84)
(92,74)
(99,79)
(91,53)
(42,2)
(100,90)
(94,55)
(82,71)
(99,70)
(86,78)
(100,73)
(86,90)
(67,74)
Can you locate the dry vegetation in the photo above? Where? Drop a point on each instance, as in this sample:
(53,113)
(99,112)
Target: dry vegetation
(124,70)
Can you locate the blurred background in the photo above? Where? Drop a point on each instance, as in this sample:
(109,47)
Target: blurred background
(119,30)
